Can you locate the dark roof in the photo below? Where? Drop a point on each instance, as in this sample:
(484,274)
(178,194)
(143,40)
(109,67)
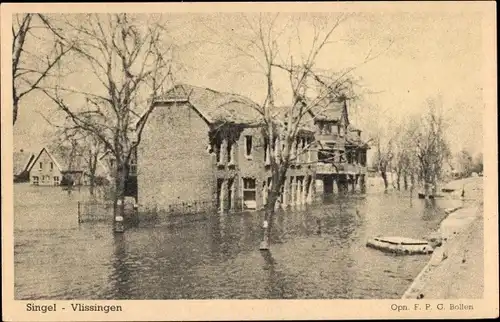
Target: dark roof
(215,106)
(21,160)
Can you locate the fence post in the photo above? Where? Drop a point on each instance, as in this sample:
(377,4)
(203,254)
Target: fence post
(78,211)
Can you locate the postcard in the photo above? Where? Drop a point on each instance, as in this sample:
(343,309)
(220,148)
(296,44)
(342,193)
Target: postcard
(241,161)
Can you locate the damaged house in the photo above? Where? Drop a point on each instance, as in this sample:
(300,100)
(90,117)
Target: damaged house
(207,147)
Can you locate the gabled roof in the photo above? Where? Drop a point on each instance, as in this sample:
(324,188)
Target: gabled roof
(214,106)
(50,156)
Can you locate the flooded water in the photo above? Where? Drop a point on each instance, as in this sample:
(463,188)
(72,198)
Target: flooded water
(318,253)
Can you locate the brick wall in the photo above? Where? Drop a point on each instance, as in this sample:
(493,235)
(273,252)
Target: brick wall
(174,164)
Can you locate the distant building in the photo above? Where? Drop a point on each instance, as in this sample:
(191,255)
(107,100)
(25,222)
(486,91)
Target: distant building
(50,169)
(45,170)
(204,146)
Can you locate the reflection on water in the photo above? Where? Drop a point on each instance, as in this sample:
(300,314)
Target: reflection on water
(316,253)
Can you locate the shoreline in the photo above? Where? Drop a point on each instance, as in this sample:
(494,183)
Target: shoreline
(455,269)
(459,230)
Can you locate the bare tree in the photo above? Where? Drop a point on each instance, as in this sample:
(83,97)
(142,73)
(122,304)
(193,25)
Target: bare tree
(81,151)
(404,159)
(383,158)
(129,59)
(32,64)
(431,147)
(267,42)
(465,162)
(478,163)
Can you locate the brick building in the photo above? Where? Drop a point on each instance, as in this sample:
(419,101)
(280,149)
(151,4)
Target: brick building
(204,146)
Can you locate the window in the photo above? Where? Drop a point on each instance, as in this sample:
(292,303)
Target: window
(363,158)
(324,156)
(320,127)
(248,145)
(248,183)
(218,151)
(51,166)
(133,166)
(41,165)
(309,150)
(328,128)
(249,194)
(302,148)
(56,181)
(112,163)
(35,181)
(230,152)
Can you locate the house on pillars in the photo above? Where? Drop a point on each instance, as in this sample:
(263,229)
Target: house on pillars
(341,152)
(206,149)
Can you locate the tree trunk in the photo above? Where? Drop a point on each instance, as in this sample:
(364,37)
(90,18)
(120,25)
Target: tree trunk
(405,181)
(92,168)
(277,182)
(398,180)
(384,177)
(15,107)
(119,196)
(268,220)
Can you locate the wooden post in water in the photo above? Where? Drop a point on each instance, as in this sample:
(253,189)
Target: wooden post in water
(79,212)
(411,194)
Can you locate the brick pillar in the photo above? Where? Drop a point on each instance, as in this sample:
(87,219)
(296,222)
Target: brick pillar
(286,189)
(224,196)
(299,200)
(265,192)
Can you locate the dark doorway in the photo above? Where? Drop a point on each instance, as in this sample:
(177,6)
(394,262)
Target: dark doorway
(328,185)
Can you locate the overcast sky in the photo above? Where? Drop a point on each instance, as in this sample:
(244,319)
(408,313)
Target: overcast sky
(432,54)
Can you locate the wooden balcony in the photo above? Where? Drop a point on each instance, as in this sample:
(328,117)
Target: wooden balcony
(345,168)
(327,137)
(325,168)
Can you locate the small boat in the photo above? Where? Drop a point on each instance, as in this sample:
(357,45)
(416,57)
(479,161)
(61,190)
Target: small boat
(450,210)
(400,245)
(421,195)
(447,190)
